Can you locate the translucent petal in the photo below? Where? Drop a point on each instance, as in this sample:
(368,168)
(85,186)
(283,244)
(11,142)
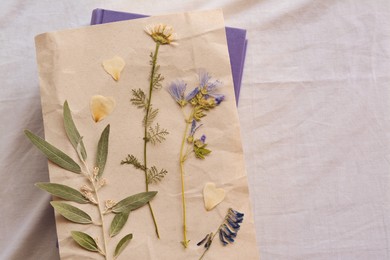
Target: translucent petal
(101,107)
(114,67)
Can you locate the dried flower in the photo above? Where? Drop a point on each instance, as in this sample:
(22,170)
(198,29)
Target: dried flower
(88,195)
(85,187)
(227,231)
(194,127)
(109,204)
(205,94)
(200,149)
(161,33)
(177,89)
(202,98)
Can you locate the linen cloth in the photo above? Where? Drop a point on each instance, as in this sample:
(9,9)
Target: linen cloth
(314,113)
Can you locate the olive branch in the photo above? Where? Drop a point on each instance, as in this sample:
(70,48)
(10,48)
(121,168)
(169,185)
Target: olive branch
(88,193)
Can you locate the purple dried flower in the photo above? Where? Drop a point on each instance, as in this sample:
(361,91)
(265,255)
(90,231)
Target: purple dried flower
(209,87)
(192,94)
(177,89)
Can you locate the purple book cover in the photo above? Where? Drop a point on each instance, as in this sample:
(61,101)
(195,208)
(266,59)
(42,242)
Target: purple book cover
(236,41)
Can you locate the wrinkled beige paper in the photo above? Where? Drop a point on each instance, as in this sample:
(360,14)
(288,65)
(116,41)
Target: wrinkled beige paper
(70,68)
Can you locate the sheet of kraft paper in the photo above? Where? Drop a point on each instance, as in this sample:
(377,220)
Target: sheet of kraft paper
(70,69)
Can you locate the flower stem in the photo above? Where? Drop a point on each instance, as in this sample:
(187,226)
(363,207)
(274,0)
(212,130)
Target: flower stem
(154,62)
(183,199)
(92,179)
(102,221)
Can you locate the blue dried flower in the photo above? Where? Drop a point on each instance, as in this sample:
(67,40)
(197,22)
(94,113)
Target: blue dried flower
(177,89)
(227,231)
(203,139)
(233,220)
(194,127)
(192,94)
(209,87)
(206,83)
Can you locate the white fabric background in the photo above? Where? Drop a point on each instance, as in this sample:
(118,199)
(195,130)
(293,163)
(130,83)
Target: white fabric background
(314,110)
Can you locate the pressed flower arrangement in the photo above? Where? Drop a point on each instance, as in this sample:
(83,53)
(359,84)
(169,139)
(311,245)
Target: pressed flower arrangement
(200,100)
(120,84)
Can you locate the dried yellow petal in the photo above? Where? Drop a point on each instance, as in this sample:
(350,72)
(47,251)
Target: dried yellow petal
(212,195)
(114,67)
(101,107)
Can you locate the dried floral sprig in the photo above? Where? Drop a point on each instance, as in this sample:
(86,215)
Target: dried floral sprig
(161,35)
(227,231)
(201,99)
(88,193)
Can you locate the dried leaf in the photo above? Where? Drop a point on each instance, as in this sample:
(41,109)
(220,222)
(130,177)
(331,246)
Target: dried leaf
(118,223)
(114,67)
(101,107)
(157,135)
(131,159)
(133,202)
(72,132)
(102,151)
(155,176)
(71,213)
(85,241)
(122,244)
(139,98)
(201,152)
(63,192)
(149,117)
(52,153)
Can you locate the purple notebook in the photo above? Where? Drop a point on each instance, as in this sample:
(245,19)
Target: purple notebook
(236,41)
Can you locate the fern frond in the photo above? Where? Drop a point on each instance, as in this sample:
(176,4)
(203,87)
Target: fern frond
(139,98)
(157,135)
(131,159)
(155,176)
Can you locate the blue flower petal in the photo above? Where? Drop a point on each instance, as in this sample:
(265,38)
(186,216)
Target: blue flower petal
(192,94)
(232,224)
(177,89)
(229,238)
(221,238)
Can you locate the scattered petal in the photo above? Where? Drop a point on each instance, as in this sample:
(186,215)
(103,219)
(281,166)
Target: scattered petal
(212,195)
(101,107)
(114,67)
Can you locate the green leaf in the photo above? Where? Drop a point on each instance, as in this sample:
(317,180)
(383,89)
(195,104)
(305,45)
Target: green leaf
(52,153)
(133,202)
(85,241)
(118,223)
(102,151)
(72,132)
(63,192)
(71,213)
(122,244)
